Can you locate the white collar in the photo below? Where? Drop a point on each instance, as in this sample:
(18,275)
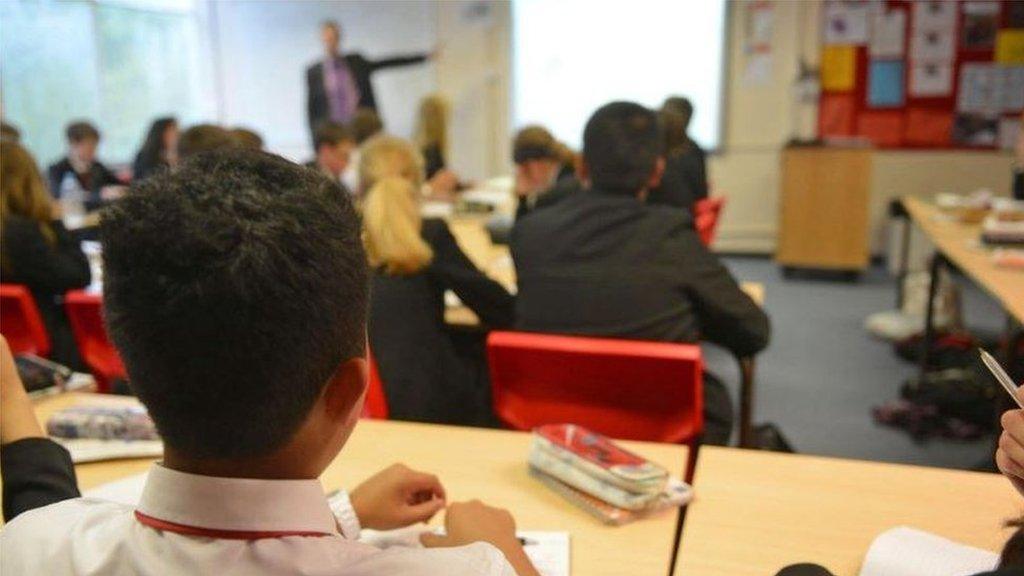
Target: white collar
(236,504)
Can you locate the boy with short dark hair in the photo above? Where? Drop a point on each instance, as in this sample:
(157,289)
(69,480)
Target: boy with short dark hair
(236,292)
(333,144)
(94,178)
(644,272)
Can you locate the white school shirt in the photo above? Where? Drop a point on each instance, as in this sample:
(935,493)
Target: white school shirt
(189,524)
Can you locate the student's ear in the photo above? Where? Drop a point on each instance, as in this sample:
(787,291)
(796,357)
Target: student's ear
(659,170)
(345,392)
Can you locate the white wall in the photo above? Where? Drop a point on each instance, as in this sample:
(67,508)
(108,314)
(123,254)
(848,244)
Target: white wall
(262,49)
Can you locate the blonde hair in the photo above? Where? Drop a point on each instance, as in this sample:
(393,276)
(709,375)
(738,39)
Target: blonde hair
(432,123)
(392,227)
(22,191)
(384,156)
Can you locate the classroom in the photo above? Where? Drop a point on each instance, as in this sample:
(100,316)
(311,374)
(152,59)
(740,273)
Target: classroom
(512,287)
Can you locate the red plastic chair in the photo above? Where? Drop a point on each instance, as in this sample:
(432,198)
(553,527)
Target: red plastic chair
(705,215)
(20,322)
(376,404)
(85,312)
(621,388)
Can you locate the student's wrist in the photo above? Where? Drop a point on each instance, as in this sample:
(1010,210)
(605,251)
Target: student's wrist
(346,514)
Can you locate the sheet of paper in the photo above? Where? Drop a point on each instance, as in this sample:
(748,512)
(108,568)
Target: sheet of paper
(979,88)
(838,68)
(905,551)
(846,22)
(1010,46)
(928,79)
(981,20)
(125,491)
(932,46)
(758,69)
(1010,85)
(1009,130)
(888,31)
(885,84)
(934,15)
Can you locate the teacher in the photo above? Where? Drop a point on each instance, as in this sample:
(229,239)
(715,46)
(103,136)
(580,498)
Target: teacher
(340,84)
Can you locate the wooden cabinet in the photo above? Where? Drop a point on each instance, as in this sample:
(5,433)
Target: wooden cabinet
(824,208)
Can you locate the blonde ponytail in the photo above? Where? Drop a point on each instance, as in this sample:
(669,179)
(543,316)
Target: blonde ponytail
(392,226)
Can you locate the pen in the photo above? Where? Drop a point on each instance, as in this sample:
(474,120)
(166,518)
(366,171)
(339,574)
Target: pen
(1001,376)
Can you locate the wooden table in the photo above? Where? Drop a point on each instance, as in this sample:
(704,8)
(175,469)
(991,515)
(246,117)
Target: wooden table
(756,512)
(960,244)
(472,463)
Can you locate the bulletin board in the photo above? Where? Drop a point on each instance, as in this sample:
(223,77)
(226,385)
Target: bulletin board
(923,73)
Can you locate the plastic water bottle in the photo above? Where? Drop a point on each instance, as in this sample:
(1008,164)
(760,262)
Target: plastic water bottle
(72,201)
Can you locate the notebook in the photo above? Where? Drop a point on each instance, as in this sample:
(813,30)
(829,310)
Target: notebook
(905,551)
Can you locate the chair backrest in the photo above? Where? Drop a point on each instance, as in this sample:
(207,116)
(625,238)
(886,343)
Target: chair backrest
(621,388)
(21,323)
(85,313)
(376,403)
(706,213)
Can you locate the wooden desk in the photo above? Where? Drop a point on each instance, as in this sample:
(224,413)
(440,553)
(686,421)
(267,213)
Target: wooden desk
(473,463)
(959,243)
(756,512)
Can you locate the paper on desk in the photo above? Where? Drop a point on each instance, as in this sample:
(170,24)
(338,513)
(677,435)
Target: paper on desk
(548,551)
(124,491)
(906,551)
(95,450)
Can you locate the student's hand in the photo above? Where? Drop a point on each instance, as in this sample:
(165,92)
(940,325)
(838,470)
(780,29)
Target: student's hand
(17,415)
(397,496)
(469,522)
(443,184)
(1010,455)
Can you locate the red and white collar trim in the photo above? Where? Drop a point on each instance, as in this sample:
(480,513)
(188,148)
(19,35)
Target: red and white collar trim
(234,508)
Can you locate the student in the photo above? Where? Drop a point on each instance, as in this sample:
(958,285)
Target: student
(204,138)
(37,250)
(159,151)
(414,262)
(365,124)
(540,172)
(36,471)
(248,139)
(602,262)
(334,145)
(89,173)
(236,290)
(685,179)
(432,133)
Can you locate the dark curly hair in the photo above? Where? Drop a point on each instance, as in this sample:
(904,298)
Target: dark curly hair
(234,288)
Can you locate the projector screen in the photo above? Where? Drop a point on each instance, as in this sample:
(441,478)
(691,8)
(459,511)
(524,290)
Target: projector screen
(572,56)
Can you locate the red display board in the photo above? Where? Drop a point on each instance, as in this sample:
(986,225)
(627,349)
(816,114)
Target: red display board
(894,96)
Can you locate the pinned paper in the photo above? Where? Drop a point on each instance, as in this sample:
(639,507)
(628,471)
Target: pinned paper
(885,83)
(836,115)
(981,20)
(935,15)
(932,45)
(881,128)
(927,127)
(1010,85)
(1010,46)
(1009,129)
(928,79)
(888,30)
(846,22)
(838,68)
(975,129)
(979,89)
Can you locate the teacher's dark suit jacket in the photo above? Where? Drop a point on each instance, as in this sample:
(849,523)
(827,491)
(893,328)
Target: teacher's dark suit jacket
(362,69)
(603,264)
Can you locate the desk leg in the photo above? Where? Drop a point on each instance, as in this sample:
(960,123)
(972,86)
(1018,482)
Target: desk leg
(746,402)
(904,265)
(929,316)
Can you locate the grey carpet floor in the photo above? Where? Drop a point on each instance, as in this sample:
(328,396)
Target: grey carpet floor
(823,373)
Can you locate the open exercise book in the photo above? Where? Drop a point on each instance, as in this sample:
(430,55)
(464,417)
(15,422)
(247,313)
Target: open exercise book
(549,551)
(905,551)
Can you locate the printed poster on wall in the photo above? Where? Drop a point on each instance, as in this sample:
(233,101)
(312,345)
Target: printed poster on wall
(1010,85)
(838,68)
(885,84)
(930,79)
(1010,46)
(935,15)
(888,30)
(846,23)
(979,89)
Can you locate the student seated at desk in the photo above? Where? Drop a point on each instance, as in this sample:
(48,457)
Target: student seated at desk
(685,179)
(204,138)
(541,177)
(36,250)
(236,292)
(414,262)
(602,262)
(81,168)
(334,145)
(159,151)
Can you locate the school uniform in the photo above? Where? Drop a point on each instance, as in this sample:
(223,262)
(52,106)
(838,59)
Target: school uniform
(685,179)
(606,264)
(36,472)
(426,378)
(191,524)
(91,177)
